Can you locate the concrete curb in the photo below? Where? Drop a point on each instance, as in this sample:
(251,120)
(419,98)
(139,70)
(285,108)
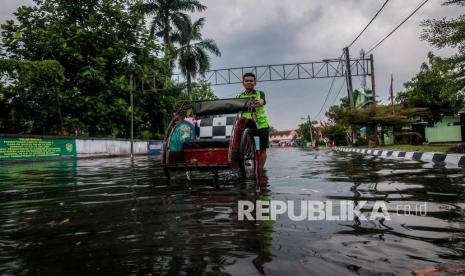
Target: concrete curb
(450,160)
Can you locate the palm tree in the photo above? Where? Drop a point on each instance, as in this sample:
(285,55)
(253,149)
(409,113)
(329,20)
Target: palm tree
(167,12)
(192,54)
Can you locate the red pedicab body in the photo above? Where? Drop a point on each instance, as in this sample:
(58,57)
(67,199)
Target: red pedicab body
(222,139)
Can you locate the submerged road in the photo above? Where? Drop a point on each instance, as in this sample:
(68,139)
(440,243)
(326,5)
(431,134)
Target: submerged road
(114,216)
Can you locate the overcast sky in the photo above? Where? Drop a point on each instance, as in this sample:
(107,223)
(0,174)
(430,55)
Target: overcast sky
(261,32)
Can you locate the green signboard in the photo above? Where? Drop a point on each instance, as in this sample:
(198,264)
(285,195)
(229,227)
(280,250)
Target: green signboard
(36,148)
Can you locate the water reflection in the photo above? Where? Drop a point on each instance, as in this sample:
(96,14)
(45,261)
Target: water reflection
(426,238)
(114,216)
(118,217)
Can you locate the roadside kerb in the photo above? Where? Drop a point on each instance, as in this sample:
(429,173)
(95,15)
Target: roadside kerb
(450,160)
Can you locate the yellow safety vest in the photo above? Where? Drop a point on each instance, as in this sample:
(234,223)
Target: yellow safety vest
(261,120)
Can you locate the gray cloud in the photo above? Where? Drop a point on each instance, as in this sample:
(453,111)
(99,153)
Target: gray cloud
(262,32)
(299,31)
(10,6)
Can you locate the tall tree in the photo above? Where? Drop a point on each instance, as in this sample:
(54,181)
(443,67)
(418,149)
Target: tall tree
(166,13)
(303,130)
(449,33)
(200,92)
(192,52)
(98,43)
(33,97)
(434,88)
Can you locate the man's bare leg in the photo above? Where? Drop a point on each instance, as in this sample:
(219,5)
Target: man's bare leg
(262,159)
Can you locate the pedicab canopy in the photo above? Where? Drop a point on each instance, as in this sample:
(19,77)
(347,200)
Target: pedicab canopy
(222,106)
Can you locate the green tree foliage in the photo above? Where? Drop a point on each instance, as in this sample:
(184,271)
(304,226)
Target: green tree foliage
(346,119)
(458,2)
(383,115)
(303,130)
(336,133)
(345,101)
(446,32)
(435,88)
(449,33)
(98,43)
(192,52)
(167,13)
(31,96)
(200,92)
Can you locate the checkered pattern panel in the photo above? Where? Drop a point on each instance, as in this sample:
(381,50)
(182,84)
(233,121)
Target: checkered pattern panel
(218,127)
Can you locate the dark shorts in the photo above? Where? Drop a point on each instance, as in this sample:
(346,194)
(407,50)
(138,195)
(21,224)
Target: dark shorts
(264,134)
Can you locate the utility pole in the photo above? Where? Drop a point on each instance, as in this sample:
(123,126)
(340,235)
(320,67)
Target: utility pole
(131,87)
(310,126)
(311,129)
(349,78)
(372,65)
(350,88)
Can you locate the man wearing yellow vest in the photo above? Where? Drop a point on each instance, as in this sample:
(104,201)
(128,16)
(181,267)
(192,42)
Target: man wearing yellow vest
(249,82)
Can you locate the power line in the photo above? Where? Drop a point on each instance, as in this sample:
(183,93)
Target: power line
(330,88)
(382,7)
(388,33)
(337,95)
(405,15)
(358,36)
(335,98)
(339,92)
(398,26)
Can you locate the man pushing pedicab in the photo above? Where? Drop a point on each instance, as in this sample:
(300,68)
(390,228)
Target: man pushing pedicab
(249,82)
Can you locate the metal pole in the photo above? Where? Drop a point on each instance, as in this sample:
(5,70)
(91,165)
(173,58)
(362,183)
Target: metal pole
(311,130)
(350,89)
(131,87)
(372,65)
(372,68)
(349,77)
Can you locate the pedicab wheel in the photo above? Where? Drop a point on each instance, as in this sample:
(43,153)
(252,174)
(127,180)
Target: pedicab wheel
(247,156)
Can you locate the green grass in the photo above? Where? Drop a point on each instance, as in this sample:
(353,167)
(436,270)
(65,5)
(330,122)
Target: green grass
(417,148)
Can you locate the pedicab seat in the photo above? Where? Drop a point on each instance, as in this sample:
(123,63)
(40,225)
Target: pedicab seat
(212,131)
(222,106)
(215,122)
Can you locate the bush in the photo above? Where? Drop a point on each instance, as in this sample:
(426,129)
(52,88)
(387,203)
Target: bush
(147,135)
(459,148)
(159,136)
(335,133)
(373,141)
(360,142)
(410,138)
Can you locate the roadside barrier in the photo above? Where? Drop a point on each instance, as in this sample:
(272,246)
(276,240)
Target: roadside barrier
(19,148)
(450,160)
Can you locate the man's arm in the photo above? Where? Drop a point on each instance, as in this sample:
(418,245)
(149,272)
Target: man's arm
(262,97)
(262,100)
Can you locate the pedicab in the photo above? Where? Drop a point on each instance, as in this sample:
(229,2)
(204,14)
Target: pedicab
(215,137)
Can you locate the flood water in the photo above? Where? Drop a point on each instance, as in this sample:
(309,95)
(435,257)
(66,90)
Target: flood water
(114,216)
